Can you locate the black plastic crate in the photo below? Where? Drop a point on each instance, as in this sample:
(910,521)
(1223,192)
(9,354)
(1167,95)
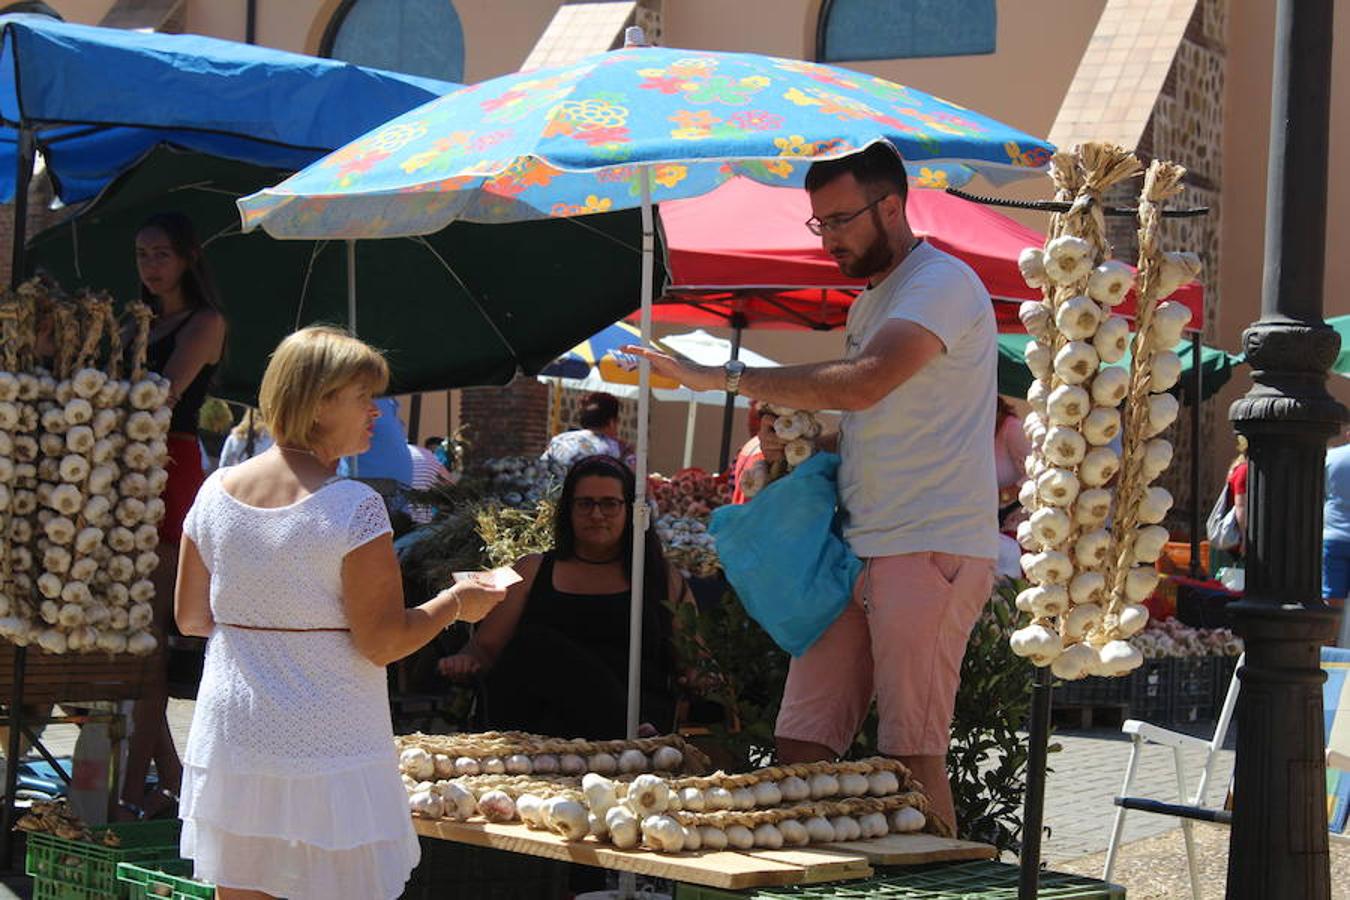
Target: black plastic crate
(453,871)
(1150,691)
(1093,692)
(1192,688)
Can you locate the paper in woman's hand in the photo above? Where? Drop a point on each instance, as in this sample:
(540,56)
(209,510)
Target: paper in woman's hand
(498,579)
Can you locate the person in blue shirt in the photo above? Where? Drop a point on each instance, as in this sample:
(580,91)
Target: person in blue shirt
(1336,533)
(387,459)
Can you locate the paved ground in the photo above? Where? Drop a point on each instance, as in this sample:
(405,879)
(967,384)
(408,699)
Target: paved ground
(1086,774)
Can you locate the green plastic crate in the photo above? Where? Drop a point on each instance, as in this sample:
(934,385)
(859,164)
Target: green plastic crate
(166,878)
(941,881)
(50,889)
(81,864)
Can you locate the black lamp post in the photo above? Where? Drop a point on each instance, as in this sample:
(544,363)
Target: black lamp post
(1279,841)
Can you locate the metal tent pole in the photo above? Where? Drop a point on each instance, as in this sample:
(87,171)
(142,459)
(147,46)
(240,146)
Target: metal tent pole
(1033,804)
(1196,393)
(738,323)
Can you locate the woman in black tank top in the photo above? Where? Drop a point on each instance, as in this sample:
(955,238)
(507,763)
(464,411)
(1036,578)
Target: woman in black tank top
(187,342)
(554,653)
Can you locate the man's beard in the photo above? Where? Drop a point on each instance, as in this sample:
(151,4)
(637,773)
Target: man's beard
(878,257)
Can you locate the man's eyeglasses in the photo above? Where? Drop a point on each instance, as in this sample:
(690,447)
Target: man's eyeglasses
(607,505)
(834,223)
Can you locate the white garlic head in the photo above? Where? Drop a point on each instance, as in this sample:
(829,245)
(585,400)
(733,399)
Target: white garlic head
(1140,582)
(1038,643)
(1157,457)
(1119,657)
(1063,446)
(1076,362)
(1049,567)
(1078,317)
(1087,589)
(1102,425)
(1040,359)
(1132,619)
(1164,371)
(1092,507)
(1082,618)
(1110,386)
(1110,282)
(1038,395)
(1031,263)
(1099,466)
(1035,317)
(1068,404)
(1047,600)
(1112,339)
(1057,487)
(1177,269)
(1092,548)
(1162,412)
(1148,543)
(1050,525)
(1075,662)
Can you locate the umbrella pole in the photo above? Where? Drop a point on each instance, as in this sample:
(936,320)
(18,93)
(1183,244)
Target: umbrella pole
(730,409)
(641,513)
(1195,455)
(351,314)
(689,433)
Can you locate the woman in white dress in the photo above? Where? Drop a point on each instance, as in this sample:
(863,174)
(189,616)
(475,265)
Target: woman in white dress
(291,785)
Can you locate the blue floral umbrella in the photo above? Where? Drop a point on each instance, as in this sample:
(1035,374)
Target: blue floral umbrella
(578,362)
(624,129)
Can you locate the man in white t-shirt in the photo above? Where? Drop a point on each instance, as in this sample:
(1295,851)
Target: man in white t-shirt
(917,384)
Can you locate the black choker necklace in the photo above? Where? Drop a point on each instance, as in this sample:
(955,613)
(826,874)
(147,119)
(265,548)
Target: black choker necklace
(596,562)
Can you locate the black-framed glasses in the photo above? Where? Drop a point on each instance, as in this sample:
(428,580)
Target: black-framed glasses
(608,505)
(834,223)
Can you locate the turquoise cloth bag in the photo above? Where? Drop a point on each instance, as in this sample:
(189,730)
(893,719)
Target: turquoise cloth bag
(784,556)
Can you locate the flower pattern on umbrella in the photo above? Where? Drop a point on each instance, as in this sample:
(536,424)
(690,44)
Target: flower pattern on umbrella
(572,140)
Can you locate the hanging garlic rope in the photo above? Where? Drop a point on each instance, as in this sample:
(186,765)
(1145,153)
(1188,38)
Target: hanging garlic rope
(141,316)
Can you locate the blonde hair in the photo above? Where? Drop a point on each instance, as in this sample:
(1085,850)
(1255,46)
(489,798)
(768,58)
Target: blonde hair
(250,421)
(308,366)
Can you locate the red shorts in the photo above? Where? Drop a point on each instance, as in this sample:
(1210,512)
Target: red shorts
(185,477)
(900,639)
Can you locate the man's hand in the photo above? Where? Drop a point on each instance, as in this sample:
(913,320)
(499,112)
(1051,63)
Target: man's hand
(770,444)
(691,375)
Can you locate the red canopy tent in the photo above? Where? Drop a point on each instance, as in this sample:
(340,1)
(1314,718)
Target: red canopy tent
(742,252)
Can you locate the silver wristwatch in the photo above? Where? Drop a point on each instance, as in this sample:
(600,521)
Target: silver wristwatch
(733,368)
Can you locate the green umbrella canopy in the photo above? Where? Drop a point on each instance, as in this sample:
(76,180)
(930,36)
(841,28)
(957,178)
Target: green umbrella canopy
(1342,364)
(1014,378)
(468,305)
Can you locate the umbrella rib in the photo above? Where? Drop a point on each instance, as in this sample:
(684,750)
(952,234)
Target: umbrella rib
(468,293)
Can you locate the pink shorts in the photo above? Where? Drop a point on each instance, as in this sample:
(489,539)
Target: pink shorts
(900,639)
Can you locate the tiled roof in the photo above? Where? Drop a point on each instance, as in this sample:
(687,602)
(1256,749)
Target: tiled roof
(580,29)
(1122,72)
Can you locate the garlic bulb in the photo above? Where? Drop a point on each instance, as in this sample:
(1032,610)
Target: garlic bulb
(793,789)
(497,806)
(1038,396)
(1119,657)
(603,763)
(1063,446)
(742,798)
(1046,600)
(1050,525)
(1177,269)
(417,763)
(1164,371)
(1099,466)
(529,808)
(1110,386)
(425,805)
(1057,487)
(1132,619)
(1078,317)
(766,794)
(1148,543)
(1025,539)
(1092,548)
(874,825)
(907,820)
(648,794)
(599,792)
(693,838)
(1169,325)
(794,833)
(1162,412)
(798,451)
(717,798)
(883,783)
(1153,506)
(1068,404)
(633,760)
(1076,362)
(1110,282)
(667,759)
(545,764)
(1087,589)
(491,765)
(567,818)
(1049,567)
(1140,583)
(1027,494)
(1031,263)
(820,830)
(623,828)
(1036,642)
(1075,662)
(845,828)
(1102,426)
(739,837)
(768,837)
(1083,618)
(852,784)
(691,799)
(1040,359)
(714,838)
(1036,318)
(1112,339)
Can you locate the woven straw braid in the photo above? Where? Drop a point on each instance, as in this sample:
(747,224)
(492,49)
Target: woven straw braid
(482,745)
(142,316)
(800,770)
(541,786)
(848,806)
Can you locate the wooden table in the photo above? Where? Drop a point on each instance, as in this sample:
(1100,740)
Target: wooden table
(727,869)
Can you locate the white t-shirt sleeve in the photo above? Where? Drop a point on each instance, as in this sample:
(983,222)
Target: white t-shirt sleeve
(941,298)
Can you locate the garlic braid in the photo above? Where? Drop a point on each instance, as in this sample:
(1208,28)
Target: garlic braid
(850,806)
(800,770)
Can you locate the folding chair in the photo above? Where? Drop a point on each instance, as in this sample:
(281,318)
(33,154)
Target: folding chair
(1187,808)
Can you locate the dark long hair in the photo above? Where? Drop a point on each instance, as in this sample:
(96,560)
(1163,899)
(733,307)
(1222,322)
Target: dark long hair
(198,287)
(656,585)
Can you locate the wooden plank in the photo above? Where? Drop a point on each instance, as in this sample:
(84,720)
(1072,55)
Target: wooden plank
(724,869)
(818,864)
(915,849)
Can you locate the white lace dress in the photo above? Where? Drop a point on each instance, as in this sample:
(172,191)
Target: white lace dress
(290,781)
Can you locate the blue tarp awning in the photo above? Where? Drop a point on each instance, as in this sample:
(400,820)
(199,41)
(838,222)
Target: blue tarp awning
(101,98)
